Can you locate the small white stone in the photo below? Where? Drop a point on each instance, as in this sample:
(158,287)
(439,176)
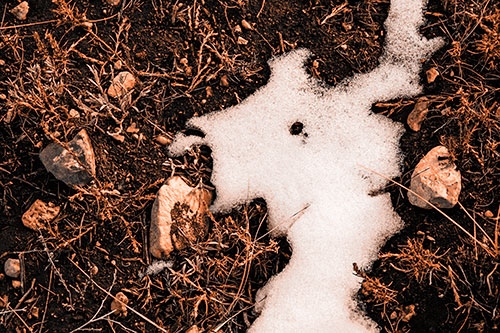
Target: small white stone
(21,10)
(435,179)
(12,268)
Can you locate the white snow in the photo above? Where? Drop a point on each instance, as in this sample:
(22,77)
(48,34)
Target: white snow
(256,156)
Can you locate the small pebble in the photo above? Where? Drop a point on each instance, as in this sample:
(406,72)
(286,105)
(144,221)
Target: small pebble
(432,74)
(122,83)
(74,114)
(3,96)
(118,65)
(114,2)
(193,329)
(132,128)
(237,29)
(16,284)
(118,305)
(21,10)
(12,268)
(245,24)
(163,140)
(2,62)
(224,81)
(242,41)
(488,214)
(4,300)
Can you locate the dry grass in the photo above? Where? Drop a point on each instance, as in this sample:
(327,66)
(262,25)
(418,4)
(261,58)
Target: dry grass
(189,60)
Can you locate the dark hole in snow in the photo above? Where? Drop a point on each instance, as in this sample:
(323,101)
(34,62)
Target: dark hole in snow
(194,132)
(296,128)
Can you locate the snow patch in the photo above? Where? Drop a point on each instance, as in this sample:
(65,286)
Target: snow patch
(301,146)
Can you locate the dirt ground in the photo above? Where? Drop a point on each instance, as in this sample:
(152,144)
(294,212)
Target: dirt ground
(195,57)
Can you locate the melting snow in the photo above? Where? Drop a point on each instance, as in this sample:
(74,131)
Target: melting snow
(318,173)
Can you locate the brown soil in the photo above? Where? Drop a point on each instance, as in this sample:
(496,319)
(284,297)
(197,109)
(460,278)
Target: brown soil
(430,277)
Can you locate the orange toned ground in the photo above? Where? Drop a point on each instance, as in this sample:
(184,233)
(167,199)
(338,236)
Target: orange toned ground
(199,56)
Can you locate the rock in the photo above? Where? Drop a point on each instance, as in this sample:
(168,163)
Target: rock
(418,114)
(122,84)
(21,10)
(39,215)
(163,140)
(2,62)
(74,114)
(118,305)
(12,268)
(431,74)
(16,284)
(245,24)
(193,329)
(114,2)
(132,128)
(177,217)
(242,41)
(118,65)
(64,165)
(224,81)
(489,214)
(4,300)
(436,179)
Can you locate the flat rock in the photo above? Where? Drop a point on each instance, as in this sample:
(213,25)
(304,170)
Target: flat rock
(12,268)
(21,10)
(418,114)
(75,167)
(431,74)
(177,217)
(122,83)
(435,179)
(39,215)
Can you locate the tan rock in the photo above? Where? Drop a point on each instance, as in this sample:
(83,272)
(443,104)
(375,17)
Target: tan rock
(21,10)
(163,140)
(431,74)
(114,2)
(39,215)
(118,305)
(193,329)
(16,284)
(4,300)
(75,167)
(245,24)
(435,179)
(122,84)
(418,114)
(177,217)
(12,268)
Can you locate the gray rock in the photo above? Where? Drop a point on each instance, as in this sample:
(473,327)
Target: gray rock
(435,179)
(12,268)
(75,167)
